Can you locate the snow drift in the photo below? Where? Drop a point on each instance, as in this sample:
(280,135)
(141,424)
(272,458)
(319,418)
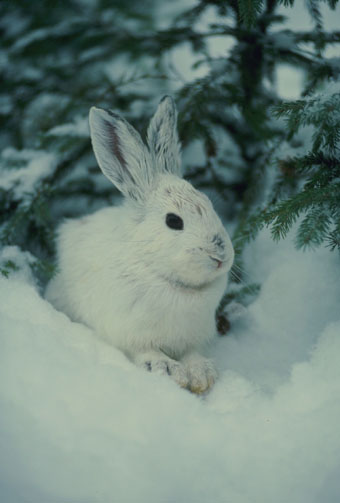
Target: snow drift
(80,423)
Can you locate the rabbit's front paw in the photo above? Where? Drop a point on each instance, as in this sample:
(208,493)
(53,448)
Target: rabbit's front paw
(159,363)
(201,372)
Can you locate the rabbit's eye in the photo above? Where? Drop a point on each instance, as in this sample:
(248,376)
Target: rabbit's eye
(174,222)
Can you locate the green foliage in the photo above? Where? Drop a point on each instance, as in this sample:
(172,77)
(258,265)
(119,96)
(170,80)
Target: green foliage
(7,267)
(321,112)
(316,205)
(249,11)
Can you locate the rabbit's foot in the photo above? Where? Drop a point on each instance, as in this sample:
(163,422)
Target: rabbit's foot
(201,372)
(159,363)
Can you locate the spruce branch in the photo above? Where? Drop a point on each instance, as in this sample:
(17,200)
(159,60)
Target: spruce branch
(313,229)
(249,11)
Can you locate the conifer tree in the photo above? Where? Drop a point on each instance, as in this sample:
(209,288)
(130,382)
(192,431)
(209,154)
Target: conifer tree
(307,188)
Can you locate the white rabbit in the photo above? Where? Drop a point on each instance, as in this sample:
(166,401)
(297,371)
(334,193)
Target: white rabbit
(149,274)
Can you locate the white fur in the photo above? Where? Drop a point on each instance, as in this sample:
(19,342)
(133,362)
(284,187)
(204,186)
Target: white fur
(150,290)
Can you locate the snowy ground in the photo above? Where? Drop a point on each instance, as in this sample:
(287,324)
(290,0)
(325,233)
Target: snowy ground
(80,424)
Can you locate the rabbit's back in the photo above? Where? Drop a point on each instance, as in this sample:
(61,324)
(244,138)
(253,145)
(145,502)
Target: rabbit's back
(86,256)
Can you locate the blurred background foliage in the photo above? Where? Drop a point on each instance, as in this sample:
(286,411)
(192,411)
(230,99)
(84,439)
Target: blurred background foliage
(263,160)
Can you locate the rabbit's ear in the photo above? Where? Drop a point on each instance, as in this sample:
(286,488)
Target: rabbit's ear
(121,154)
(163,138)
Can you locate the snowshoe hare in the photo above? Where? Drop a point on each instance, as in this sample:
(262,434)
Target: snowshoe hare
(149,274)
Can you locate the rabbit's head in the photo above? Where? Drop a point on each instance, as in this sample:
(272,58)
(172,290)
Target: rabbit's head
(182,237)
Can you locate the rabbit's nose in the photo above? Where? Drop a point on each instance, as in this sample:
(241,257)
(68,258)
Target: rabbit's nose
(218,241)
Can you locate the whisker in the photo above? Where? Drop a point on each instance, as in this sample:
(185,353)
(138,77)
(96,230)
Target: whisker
(238,279)
(235,276)
(242,284)
(243,272)
(237,272)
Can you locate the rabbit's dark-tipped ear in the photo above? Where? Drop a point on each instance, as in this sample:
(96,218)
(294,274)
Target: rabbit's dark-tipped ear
(163,138)
(121,154)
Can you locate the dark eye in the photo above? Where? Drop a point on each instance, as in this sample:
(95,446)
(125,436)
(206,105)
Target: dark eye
(174,222)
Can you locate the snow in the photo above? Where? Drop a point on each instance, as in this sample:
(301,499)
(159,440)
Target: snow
(39,165)
(42,34)
(5,102)
(80,423)
(79,128)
